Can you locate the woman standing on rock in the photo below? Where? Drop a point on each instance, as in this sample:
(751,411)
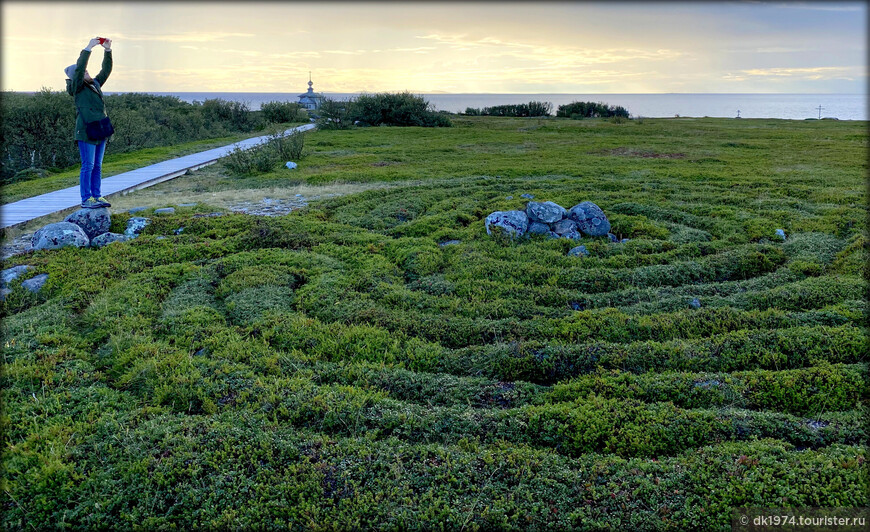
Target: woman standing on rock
(92,124)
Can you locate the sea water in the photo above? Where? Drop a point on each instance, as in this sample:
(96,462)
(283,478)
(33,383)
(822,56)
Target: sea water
(788,106)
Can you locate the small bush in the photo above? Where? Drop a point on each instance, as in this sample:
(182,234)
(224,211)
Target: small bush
(591,110)
(335,114)
(532,108)
(396,109)
(280,112)
(264,158)
(237,114)
(239,161)
(287,147)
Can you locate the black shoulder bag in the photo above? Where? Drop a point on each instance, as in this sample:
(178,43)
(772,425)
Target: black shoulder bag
(99,129)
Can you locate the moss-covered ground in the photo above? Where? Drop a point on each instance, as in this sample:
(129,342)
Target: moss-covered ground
(340,368)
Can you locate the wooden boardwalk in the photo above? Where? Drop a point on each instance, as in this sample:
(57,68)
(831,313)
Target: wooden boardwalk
(22,211)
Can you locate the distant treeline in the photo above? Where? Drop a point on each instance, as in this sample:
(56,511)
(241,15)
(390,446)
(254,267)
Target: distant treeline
(381,109)
(570,110)
(522,109)
(37,129)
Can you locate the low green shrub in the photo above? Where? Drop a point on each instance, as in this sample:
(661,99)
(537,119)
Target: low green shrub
(278,149)
(276,112)
(791,348)
(590,110)
(819,389)
(287,147)
(533,108)
(395,109)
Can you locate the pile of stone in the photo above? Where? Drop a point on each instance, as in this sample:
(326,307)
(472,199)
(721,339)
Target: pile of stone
(554,221)
(85,227)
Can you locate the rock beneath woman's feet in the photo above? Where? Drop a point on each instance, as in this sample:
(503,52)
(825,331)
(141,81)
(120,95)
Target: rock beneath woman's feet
(107,238)
(515,223)
(545,212)
(93,221)
(58,235)
(590,219)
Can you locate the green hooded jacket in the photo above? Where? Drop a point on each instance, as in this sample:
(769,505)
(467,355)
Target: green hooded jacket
(88,96)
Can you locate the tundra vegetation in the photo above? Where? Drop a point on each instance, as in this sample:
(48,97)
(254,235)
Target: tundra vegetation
(345,367)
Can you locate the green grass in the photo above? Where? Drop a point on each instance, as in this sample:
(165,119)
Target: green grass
(336,368)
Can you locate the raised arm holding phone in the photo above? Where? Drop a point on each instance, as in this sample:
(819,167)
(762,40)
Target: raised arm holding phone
(93,126)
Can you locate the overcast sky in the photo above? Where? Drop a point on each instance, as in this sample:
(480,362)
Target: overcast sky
(495,47)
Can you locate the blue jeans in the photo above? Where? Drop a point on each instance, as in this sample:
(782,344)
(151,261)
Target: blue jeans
(92,166)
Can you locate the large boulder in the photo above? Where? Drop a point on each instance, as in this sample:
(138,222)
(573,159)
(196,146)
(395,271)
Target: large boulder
(58,235)
(135,226)
(514,223)
(590,219)
(93,221)
(107,238)
(545,212)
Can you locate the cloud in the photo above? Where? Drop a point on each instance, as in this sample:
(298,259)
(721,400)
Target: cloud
(816,6)
(294,55)
(183,37)
(563,56)
(808,73)
(344,52)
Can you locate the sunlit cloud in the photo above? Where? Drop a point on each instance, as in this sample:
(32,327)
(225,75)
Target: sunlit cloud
(815,6)
(813,73)
(193,36)
(552,54)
